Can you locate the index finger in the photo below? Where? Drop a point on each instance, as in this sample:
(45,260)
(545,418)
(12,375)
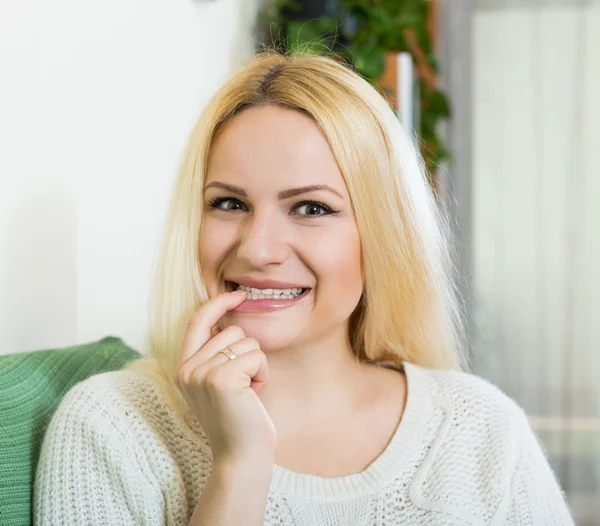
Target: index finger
(203,320)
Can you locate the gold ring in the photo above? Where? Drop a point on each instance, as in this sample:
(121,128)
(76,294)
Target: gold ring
(229,353)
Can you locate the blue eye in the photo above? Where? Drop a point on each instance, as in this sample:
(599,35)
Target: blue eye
(226,203)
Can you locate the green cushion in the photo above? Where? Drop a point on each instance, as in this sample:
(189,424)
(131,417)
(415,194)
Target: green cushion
(31,387)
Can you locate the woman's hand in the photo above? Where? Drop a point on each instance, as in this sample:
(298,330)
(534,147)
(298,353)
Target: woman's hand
(223,393)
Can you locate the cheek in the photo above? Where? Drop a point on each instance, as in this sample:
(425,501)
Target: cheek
(212,249)
(339,267)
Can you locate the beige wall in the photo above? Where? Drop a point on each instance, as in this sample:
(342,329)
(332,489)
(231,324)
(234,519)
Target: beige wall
(96,101)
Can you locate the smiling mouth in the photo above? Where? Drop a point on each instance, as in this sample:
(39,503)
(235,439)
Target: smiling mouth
(253,293)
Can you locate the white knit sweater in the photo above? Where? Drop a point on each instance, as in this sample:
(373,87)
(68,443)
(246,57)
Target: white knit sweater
(115,453)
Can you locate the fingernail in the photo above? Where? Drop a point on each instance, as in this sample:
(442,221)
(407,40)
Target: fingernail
(239,292)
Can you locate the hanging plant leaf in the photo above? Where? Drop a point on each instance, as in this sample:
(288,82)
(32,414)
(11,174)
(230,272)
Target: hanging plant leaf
(434,101)
(316,34)
(369,60)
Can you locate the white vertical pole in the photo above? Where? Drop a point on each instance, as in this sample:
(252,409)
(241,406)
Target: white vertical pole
(405,88)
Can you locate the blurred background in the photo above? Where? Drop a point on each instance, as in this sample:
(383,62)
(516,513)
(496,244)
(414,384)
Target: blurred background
(503,97)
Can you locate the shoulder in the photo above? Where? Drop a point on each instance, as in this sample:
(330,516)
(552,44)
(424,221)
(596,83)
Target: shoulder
(117,434)
(460,388)
(113,396)
(475,444)
(129,406)
(474,403)
(111,445)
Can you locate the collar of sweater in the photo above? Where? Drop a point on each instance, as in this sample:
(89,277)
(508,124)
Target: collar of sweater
(385,468)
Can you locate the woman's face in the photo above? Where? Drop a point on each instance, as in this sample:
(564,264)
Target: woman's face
(277,216)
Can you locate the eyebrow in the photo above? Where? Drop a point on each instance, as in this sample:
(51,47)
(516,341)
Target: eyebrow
(284,194)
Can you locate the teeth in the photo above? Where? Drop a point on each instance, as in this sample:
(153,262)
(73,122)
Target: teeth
(286,294)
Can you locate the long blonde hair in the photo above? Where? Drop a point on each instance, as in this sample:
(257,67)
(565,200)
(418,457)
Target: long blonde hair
(409,310)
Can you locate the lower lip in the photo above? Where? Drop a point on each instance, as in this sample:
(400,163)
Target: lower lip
(268,305)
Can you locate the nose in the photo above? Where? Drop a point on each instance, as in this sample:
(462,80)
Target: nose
(263,241)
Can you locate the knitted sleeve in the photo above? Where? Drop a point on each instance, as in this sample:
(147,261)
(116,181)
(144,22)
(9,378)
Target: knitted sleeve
(91,472)
(536,497)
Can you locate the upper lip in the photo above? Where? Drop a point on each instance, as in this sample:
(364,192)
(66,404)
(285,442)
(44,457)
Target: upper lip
(265,283)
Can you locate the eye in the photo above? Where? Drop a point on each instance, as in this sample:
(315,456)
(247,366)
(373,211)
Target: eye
(312,209)
(226,203)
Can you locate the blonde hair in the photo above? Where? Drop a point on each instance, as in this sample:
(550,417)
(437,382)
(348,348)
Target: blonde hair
(409,310)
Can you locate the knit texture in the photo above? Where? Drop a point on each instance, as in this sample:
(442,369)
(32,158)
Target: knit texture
(463,454)
(31,388)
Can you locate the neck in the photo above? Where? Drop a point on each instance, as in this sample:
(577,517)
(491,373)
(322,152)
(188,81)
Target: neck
(302,378)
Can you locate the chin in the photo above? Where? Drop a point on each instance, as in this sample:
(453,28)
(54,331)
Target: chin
(270,334)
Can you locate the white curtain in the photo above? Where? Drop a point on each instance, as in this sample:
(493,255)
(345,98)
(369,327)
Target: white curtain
(534,223)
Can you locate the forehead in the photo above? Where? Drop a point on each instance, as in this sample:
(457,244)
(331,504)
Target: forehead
(275,146)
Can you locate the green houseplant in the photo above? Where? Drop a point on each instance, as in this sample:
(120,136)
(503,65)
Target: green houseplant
(363,32)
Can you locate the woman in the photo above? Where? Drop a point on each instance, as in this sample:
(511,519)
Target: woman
(306,340)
